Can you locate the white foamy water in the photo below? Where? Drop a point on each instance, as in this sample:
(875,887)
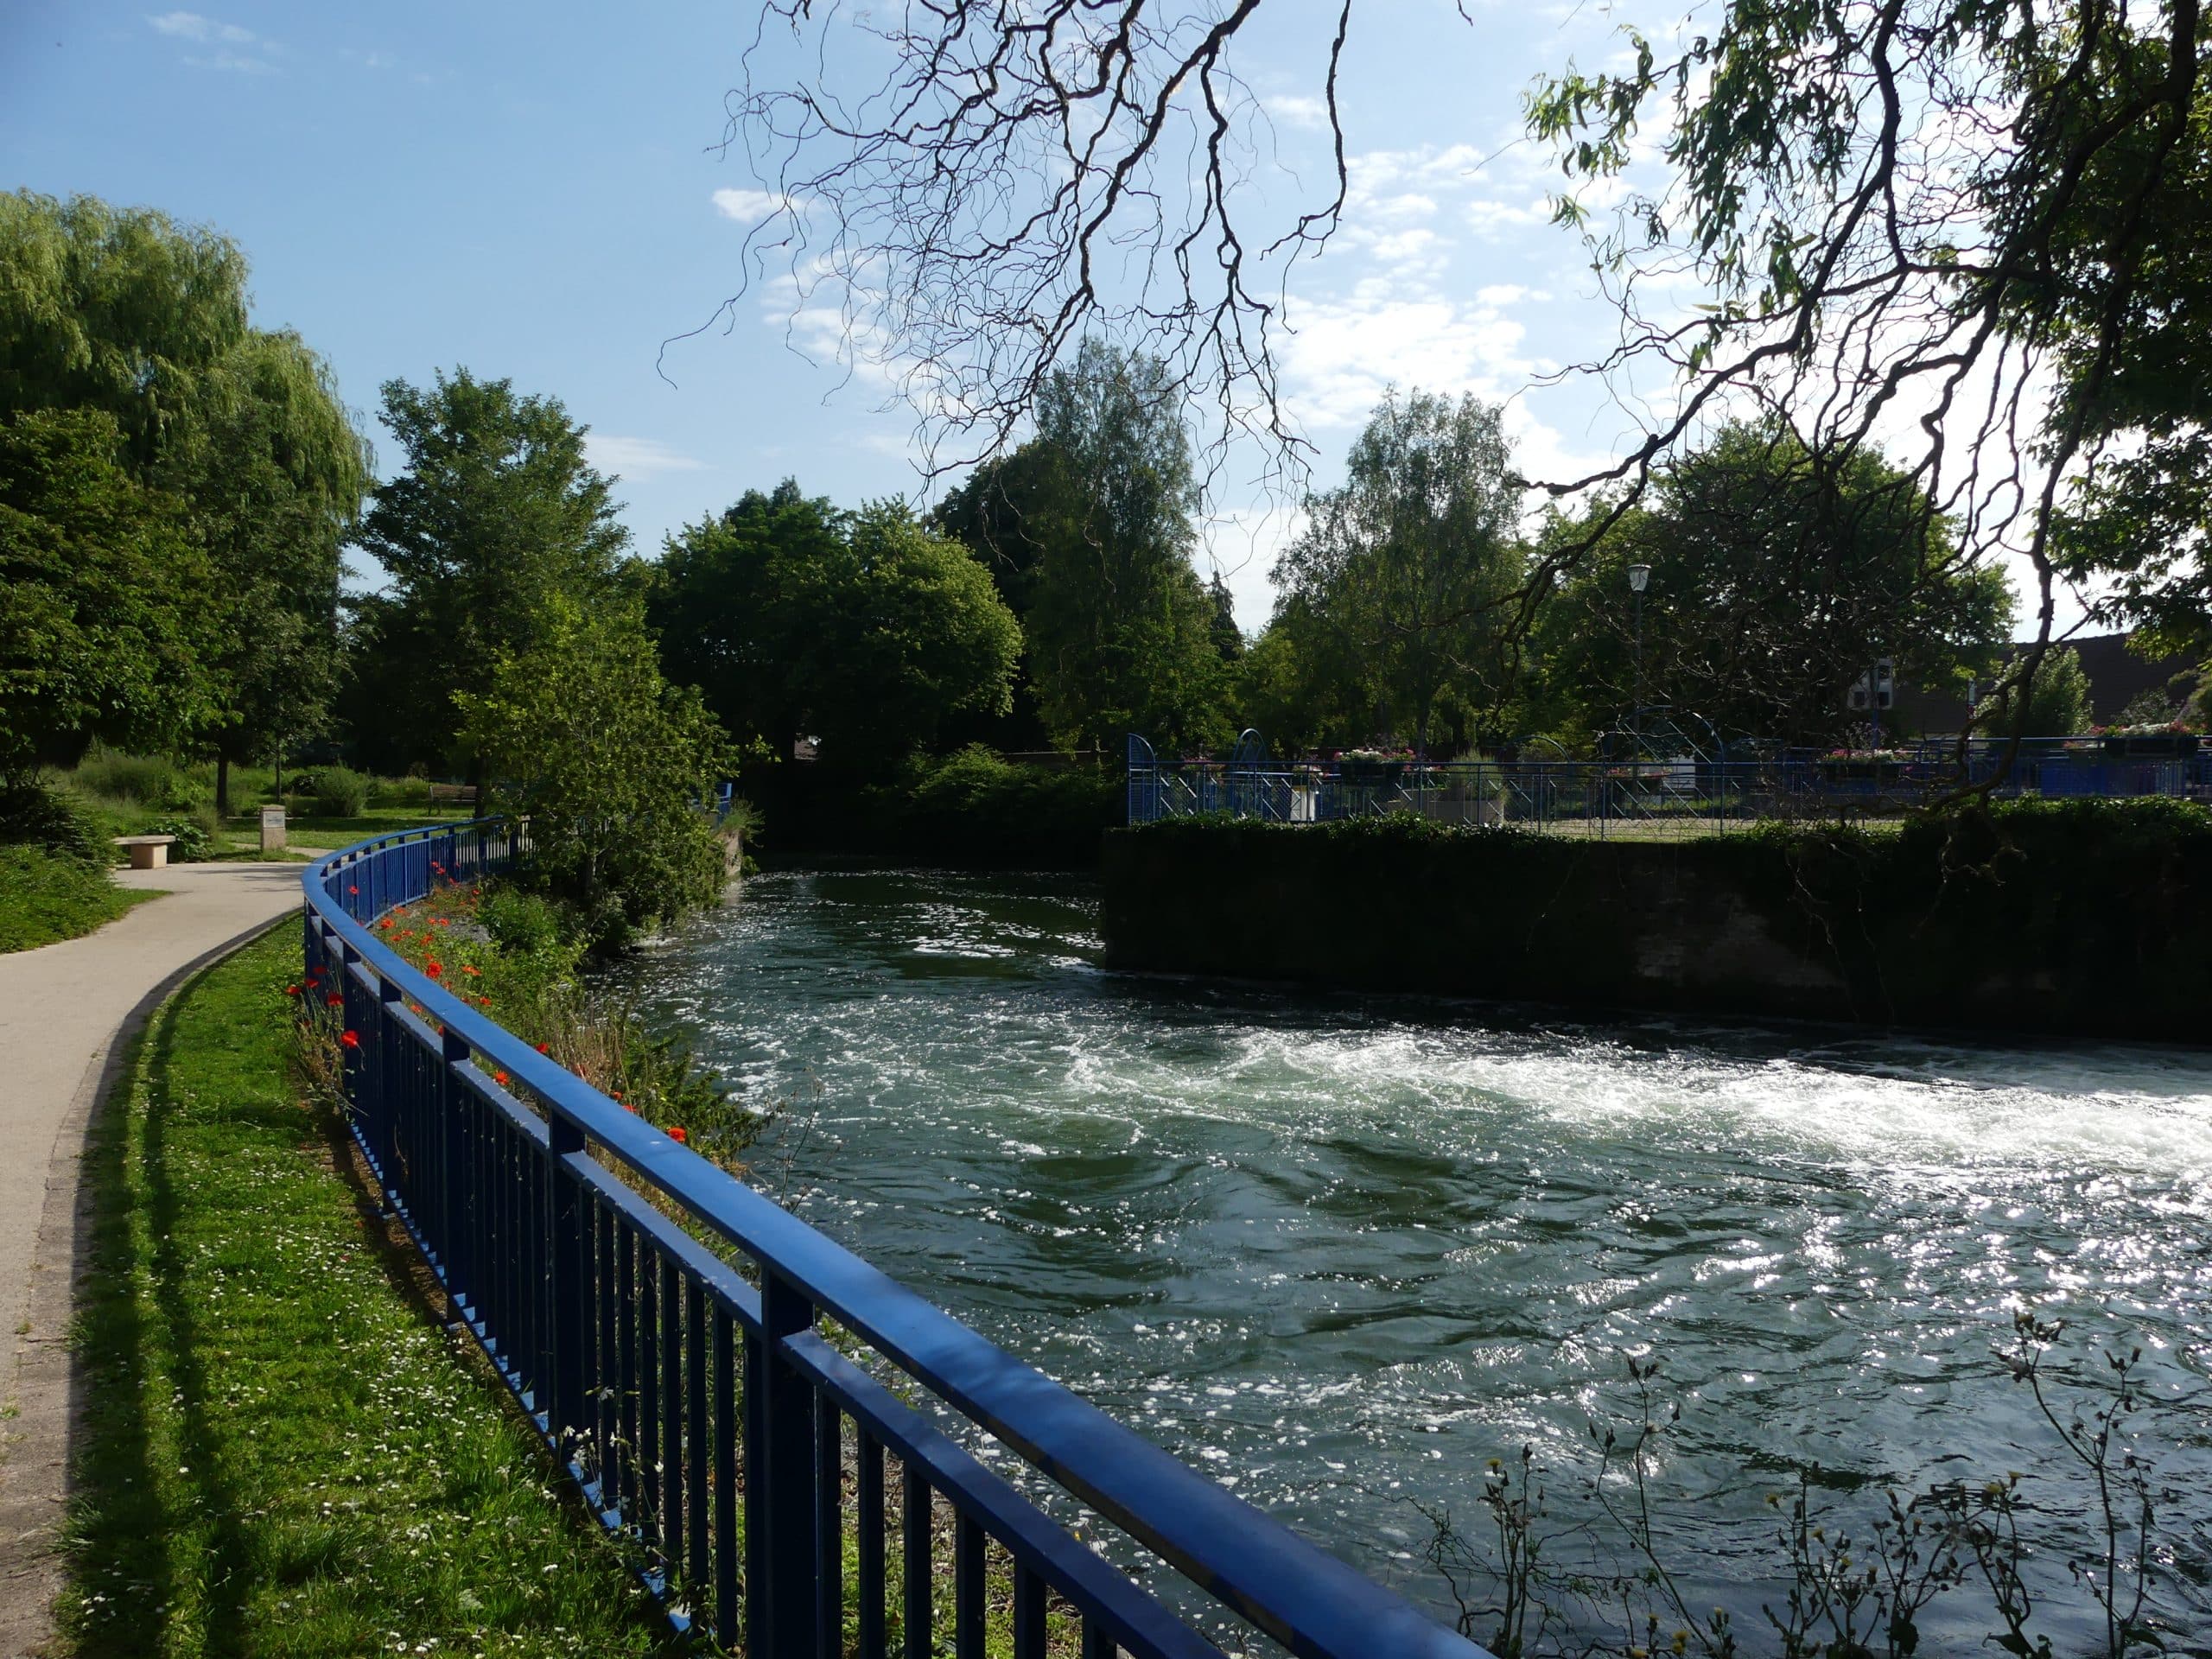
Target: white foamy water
(1339,1251)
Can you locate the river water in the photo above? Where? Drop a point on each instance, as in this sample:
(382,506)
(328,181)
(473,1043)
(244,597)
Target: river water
(1339,1252)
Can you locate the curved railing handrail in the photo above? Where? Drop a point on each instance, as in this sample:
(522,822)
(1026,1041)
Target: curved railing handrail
(1304,1597)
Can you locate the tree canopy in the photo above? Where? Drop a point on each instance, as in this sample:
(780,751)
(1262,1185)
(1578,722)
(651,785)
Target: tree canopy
(1776,579)
(1406,564)
(494,512)
(866,629)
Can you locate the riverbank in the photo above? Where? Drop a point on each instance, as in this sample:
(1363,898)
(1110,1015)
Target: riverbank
(2063,920)
(281,1451)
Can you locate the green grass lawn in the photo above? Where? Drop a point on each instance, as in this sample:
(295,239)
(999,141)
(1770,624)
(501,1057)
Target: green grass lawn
(44,899)
(284,1454)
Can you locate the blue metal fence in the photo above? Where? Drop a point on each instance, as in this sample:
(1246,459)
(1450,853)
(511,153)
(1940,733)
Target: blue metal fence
(1599,796)
(709,1408)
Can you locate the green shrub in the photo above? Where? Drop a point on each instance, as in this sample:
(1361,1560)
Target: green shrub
(400,791)
(45,897)
(339,793)
(38,815)
(194,843)
(148,779)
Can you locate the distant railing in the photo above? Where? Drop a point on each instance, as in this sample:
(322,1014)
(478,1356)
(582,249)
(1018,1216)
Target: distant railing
(1690,792)
(711,1410)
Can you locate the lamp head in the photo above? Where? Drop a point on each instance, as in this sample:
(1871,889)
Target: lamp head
(1637,576)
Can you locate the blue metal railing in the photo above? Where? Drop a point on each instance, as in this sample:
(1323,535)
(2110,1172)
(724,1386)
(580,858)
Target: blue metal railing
(707,1411)
(1595,795)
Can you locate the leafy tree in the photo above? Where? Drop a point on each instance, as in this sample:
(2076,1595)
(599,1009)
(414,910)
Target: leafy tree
(2057,698)
(1775,581)
(122,310)
(727,601)
(1005,512)
(100,619)
(1409,562)
(277,486)
(1121,628)
(127,313)
(495,513)
(869,630)
(613,766)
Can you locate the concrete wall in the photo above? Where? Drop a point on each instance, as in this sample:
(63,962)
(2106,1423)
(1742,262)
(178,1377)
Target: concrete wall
(2050,921)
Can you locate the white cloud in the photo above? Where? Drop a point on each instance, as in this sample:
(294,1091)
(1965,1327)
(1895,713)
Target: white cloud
(638,457)
(1310,113)
(1508,293)
(750,207)
(1488,217)
(1346,353)
(191,26)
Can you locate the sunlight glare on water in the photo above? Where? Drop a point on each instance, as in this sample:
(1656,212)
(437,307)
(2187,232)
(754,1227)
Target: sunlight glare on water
(1337,1252)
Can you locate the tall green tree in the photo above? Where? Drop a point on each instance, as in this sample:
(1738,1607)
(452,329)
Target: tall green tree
(99,580)
(1410,563)
(1776,579)
(128,313)
(118,309)
(866,629)
(1121,628)
(494,512)
(277,486)
(614,767)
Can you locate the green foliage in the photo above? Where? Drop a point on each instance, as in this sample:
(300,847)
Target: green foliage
(275,490)
(147,780)
(972,808)
(194,843)
(100,595)
(1394,594)
(339,793)
(1121,630)
(36,814)
(1777,578)
(2057,698)
(864,630)
(134,329)
(121,311)
(494,512)
(611,763)
(47,896)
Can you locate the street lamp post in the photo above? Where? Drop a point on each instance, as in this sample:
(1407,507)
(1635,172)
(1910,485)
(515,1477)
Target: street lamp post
(1637,576)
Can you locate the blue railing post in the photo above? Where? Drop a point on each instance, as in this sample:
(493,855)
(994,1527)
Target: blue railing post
(461,1175)
(783,1612)
(567,1286)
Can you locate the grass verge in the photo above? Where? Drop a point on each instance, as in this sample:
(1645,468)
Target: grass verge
(45,898)
(282,1453)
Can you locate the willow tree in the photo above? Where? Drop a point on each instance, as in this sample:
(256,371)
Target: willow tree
(130,315)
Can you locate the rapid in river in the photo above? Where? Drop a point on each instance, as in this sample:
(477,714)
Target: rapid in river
(1340,1252)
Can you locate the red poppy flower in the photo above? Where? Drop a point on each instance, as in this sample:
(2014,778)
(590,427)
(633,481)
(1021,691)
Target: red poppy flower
(432,968)
(499,1076)
(485,1001)
(676,1134)
(291,990)
(333,1000)
(352,1039)
(545,1048)
(631,1110)
(467,969)
(354,890)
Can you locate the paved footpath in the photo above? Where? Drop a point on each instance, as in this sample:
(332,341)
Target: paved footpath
(66,1012)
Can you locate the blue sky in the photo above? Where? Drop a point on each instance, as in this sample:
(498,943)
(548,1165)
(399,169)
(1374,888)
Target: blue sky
(536,191)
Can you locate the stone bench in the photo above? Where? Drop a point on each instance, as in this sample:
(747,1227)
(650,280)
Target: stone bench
(147,852)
